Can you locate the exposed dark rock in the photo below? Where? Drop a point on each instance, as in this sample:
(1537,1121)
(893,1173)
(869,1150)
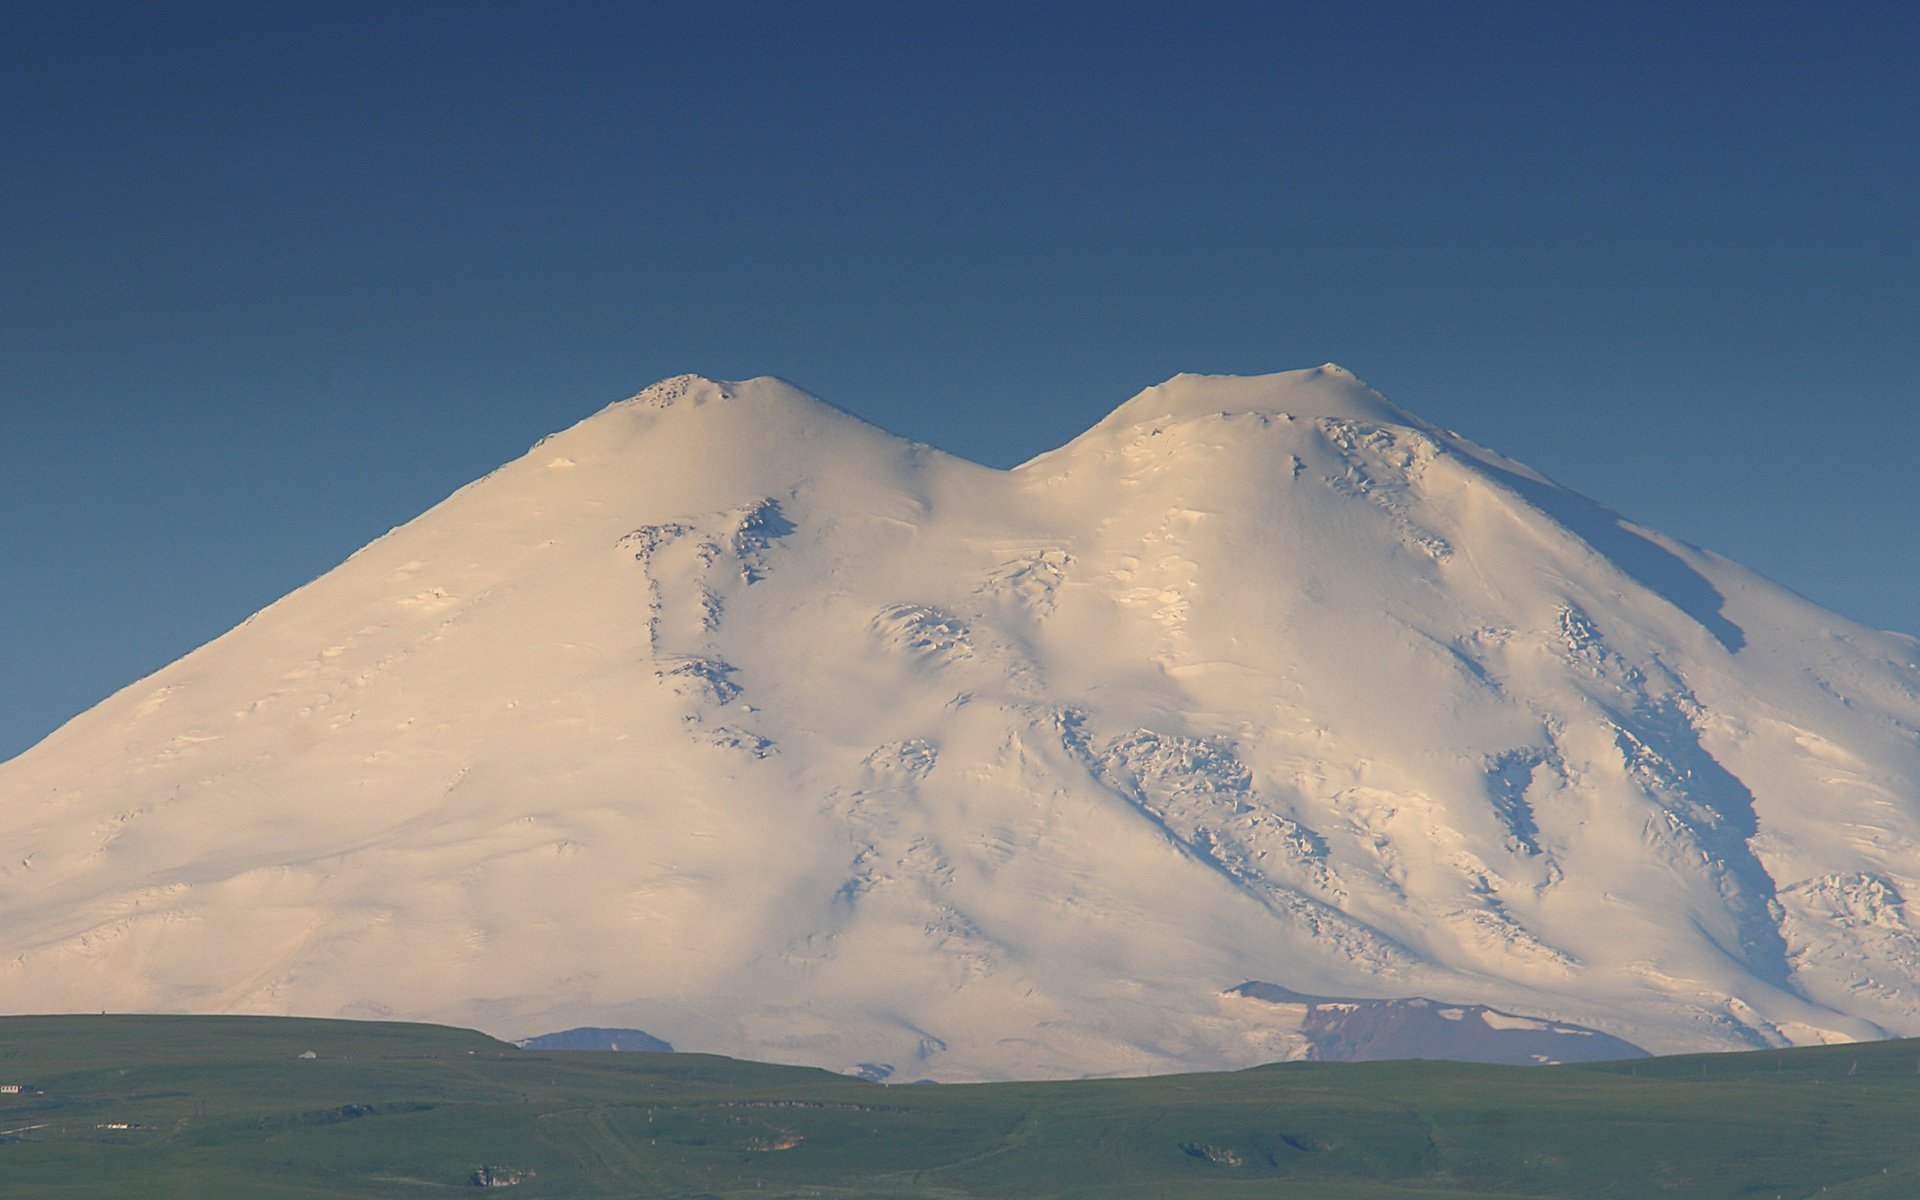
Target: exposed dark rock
(592,1038)
(1350,1030)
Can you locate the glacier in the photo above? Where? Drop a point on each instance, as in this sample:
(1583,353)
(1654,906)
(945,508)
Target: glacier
(728,716)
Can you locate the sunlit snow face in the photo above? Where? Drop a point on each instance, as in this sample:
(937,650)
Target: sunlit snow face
(727,716)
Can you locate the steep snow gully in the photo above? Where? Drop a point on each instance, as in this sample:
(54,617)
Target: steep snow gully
(727,716)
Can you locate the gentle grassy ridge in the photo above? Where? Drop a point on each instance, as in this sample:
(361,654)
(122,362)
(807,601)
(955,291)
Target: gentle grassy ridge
(223,1106)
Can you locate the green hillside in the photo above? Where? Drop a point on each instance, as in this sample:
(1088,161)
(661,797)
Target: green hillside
(226,1106)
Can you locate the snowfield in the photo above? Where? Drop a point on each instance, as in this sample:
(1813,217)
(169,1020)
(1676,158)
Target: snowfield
(727,716)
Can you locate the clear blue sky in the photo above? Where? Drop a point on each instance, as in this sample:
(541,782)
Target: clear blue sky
(276,277)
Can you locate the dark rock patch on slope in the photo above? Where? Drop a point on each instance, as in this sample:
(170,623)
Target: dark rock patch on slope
(592,1038)
(1348,1030)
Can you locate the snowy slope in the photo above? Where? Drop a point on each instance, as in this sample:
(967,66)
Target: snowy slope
(727,716)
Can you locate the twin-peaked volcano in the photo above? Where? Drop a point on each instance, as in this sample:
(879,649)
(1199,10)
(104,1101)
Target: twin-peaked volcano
(727,716)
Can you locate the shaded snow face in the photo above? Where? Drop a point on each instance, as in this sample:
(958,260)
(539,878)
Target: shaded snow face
(727,716)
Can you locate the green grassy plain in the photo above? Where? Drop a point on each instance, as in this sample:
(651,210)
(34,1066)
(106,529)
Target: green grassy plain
(225,1107)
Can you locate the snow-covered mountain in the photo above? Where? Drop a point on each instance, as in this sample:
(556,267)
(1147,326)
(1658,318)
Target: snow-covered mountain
(729,717)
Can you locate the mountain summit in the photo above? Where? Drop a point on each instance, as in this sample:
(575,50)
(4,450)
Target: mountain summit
(1326,391)
(730,717)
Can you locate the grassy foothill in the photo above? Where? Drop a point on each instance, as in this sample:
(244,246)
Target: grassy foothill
(150,1106)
